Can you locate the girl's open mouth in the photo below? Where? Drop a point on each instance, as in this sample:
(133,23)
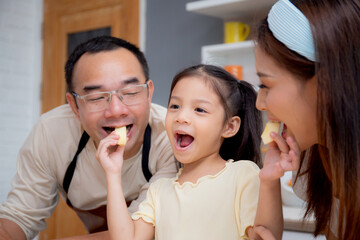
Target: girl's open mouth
(183,140)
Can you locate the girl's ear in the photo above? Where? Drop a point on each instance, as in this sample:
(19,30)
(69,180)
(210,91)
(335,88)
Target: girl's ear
(231,127)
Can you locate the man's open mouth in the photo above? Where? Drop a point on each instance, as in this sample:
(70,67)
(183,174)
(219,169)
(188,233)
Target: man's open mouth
(111,129)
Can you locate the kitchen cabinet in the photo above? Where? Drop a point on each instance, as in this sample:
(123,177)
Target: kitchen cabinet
(240,53)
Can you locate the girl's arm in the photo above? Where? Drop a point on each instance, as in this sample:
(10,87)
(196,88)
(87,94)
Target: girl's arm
(281,156)
(120,224)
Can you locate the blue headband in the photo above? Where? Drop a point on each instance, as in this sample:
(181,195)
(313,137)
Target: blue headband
(289,25)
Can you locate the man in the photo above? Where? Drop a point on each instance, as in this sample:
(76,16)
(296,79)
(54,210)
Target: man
(108,87)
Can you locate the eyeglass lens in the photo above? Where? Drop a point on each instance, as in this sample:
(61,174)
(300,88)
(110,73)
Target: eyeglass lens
(129,96)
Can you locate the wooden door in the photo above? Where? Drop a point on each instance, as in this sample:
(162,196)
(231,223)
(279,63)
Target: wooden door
(65,17)
(64,20)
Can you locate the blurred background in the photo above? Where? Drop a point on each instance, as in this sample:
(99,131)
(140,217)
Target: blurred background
(36,37)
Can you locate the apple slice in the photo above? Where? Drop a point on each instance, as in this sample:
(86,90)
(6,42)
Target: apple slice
(270,127)
(121,131)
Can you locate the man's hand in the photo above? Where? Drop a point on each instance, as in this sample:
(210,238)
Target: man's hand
(10,230)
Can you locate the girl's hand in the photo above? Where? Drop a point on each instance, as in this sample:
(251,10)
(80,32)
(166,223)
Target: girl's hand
(281,156)
(110,154)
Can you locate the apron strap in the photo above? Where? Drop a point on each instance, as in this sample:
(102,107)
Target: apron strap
(145,153)
(85,138)
(71,168)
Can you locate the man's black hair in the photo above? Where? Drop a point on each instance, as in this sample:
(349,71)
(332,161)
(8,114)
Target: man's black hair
(99,44)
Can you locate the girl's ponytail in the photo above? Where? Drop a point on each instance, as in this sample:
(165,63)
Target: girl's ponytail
(245,145)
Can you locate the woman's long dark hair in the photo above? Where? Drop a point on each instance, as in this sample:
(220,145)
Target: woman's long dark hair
(332,168)
(238,99)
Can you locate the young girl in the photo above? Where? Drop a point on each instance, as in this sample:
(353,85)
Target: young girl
(211,122)
(308,61)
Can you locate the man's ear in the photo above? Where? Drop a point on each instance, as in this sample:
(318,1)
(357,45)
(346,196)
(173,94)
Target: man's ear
(71,101)
(232,127)
(151,89)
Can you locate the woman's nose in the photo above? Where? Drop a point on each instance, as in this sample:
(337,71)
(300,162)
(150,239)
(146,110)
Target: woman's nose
(260,101)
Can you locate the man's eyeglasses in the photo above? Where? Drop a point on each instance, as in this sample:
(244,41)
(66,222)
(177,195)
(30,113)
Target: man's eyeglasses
(99,101)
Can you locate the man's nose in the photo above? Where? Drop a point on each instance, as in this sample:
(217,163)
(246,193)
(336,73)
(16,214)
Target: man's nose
(116,107)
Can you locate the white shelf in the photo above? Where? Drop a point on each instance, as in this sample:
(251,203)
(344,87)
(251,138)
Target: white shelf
(229,47)
(241,53)
(230,9)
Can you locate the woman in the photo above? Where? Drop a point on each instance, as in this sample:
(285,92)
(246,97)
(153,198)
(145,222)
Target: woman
(308,62)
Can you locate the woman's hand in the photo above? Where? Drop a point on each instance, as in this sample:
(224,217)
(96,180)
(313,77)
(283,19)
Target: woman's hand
(282,155)
(260,233)
(110,154)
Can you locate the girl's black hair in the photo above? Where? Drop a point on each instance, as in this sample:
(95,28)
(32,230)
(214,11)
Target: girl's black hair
(238,99)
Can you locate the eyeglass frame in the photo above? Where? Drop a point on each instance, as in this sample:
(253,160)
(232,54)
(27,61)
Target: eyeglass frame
(145,85)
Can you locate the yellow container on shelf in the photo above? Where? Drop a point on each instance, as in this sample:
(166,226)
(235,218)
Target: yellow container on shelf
(236,32)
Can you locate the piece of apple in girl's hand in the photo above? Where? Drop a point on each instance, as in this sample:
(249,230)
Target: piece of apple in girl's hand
(121,131)
(270,127)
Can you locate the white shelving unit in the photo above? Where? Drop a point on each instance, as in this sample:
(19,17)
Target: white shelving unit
(241,53)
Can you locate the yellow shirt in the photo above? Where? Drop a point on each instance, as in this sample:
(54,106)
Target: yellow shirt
(217,207)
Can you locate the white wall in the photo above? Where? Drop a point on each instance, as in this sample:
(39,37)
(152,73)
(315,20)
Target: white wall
(20,79)
(173,41)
